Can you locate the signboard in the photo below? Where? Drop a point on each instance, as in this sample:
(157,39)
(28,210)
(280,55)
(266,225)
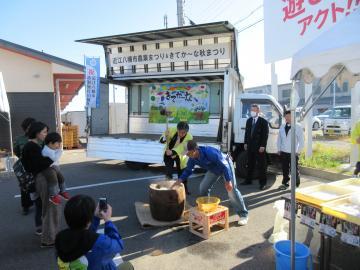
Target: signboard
(186,53)
(328,225)
(308,216)
(92,82)
(186,102)
(350,233)
(291,24)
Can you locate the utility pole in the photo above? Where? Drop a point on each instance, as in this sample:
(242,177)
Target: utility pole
(165,21)
(334,93)
(180,12)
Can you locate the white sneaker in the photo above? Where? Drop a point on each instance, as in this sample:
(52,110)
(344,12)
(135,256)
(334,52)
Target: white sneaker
(243,221)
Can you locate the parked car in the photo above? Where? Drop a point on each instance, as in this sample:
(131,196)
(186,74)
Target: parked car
(339,121)
(324,115)
(316,122)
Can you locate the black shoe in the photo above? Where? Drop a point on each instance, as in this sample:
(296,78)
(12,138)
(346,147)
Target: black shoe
(283,187)
(38,232)
(246,183)
(25,211)
(263,187)
(47,245)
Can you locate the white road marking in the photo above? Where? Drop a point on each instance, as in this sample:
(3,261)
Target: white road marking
(121,181)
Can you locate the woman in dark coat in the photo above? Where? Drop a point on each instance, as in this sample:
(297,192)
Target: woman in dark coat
(46,213)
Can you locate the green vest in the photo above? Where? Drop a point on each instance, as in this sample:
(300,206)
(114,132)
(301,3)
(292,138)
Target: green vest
(78,264)
(179,148)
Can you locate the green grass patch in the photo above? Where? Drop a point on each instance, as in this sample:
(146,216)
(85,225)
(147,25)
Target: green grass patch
(325,157)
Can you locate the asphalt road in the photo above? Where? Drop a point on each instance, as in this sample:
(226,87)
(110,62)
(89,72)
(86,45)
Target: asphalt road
(163,248)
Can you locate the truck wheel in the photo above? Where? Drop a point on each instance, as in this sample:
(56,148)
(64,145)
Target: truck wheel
(241,166)
(136,165)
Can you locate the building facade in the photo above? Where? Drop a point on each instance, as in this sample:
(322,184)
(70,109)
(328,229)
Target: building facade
(342,94)
(37,84)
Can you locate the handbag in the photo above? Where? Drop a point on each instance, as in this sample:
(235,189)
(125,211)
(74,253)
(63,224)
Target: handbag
(26,179)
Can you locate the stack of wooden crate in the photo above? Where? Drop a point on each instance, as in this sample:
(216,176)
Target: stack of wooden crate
(70,137)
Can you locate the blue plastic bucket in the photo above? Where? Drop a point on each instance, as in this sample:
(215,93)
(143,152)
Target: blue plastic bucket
(283,256)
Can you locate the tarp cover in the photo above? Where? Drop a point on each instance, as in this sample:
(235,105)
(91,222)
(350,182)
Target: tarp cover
(325,55)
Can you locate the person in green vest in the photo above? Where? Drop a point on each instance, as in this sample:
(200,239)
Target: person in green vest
(175,140)
(355,139)
(19,143)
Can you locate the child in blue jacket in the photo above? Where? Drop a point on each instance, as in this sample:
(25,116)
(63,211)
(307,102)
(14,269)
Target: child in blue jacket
(80,247)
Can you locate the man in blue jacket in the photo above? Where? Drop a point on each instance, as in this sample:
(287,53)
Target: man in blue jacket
(217,165)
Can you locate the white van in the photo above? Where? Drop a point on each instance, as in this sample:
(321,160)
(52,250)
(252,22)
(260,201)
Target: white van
(339,121)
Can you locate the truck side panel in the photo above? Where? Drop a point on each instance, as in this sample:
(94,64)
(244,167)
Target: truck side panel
(140,124)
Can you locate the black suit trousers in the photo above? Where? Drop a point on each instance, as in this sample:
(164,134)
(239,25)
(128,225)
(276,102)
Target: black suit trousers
(258,160)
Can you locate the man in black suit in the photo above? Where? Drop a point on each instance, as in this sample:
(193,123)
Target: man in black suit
(256,135)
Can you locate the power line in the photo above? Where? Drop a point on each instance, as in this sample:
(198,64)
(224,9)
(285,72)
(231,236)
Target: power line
(251,25)
(209,6)
(221,10)
(250,14)
(215,8)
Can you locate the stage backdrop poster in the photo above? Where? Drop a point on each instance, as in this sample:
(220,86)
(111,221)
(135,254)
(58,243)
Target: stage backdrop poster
(186,102)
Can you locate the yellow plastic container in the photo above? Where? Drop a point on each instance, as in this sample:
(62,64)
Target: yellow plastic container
(352,183)
(319,194)
(207,204)
(343,209)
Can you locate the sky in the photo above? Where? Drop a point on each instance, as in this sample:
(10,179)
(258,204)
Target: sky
(53,27)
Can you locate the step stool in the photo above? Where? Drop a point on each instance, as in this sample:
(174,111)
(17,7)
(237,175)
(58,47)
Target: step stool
(207,224)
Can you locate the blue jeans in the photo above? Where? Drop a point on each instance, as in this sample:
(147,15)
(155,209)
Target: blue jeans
(235,197)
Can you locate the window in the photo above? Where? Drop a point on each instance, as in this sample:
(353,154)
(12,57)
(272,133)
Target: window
(201,64)
(200,41)
(144,99)
(286,93)
(144,47)
(267,110)
(215,98)
(146,68)
(139,99)
(157,46)
(172,66)
(185,42)
(133,68)
(216,40)
(186,65)
(216,63)
(131,48)
(158,65)
(341,113)
(134,100)
(119,49)
(171,44)
(122,70)
(345,87)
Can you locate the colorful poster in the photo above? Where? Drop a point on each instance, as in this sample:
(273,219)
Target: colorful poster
(92,82)
(183,102)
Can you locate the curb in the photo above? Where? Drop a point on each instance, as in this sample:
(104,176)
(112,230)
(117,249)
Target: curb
(325,175)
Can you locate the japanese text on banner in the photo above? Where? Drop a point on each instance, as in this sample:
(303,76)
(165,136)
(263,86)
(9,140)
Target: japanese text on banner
(92,82)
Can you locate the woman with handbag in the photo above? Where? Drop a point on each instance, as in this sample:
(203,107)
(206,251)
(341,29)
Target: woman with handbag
(34,162)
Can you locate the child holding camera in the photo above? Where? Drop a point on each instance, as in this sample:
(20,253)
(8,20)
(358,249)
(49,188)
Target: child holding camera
(54,178)
(79,246)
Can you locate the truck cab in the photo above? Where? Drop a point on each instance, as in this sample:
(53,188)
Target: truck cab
(270,109)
